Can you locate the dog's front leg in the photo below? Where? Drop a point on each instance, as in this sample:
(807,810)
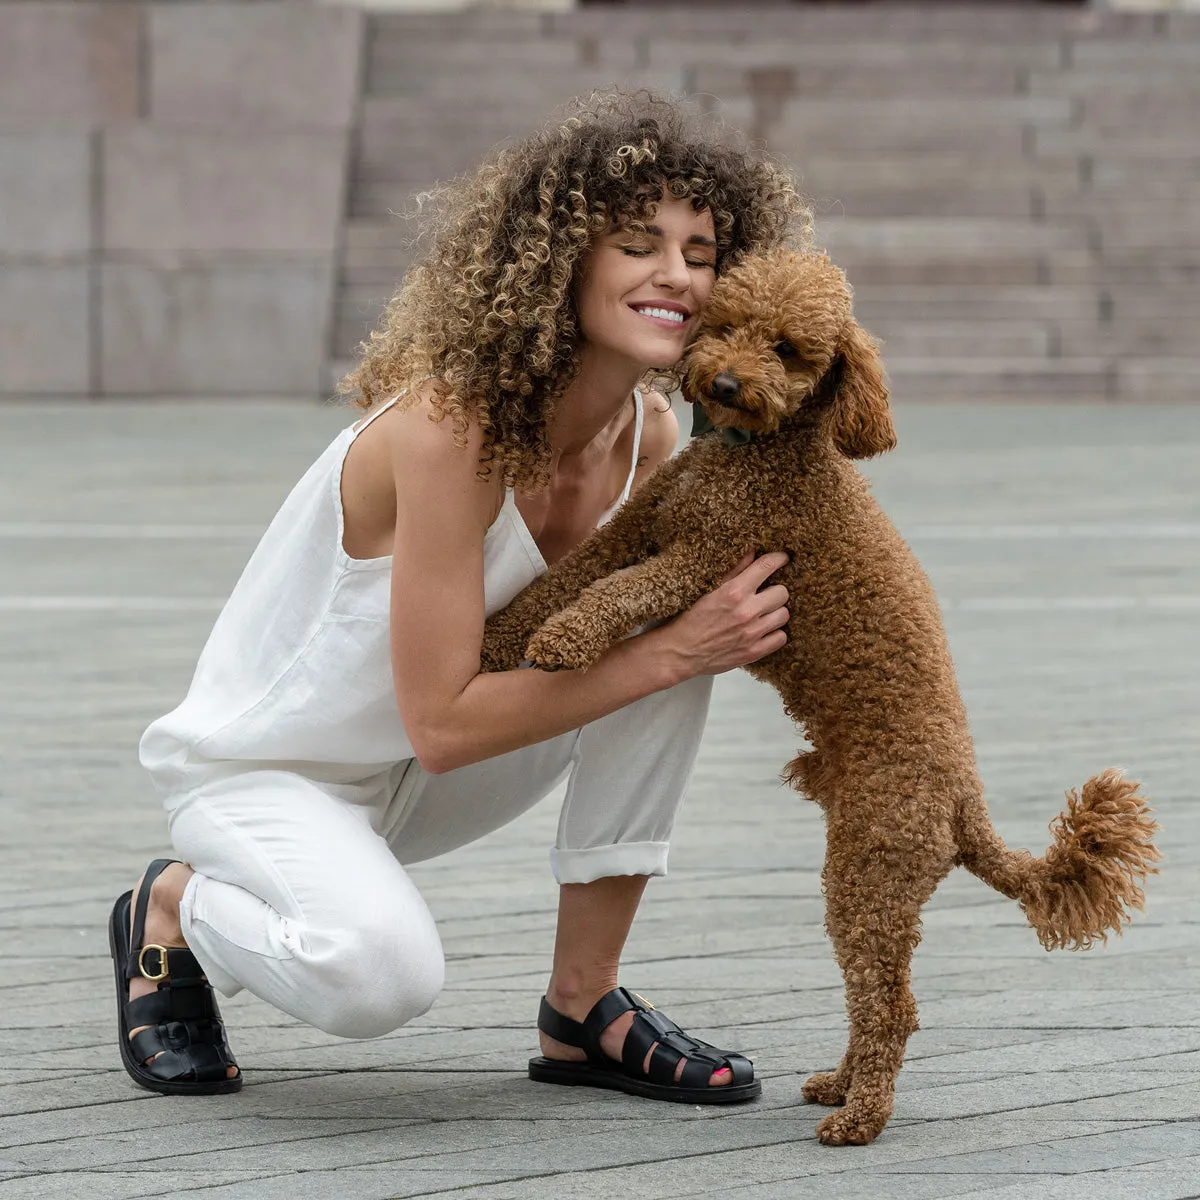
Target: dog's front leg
(626,539)
(616,605)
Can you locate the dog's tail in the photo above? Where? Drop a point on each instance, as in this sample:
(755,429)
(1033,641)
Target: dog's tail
(1089,880)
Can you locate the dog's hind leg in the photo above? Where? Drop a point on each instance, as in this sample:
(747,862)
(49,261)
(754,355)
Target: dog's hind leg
(875,890)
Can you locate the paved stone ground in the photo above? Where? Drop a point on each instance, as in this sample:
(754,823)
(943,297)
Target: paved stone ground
(1065,543)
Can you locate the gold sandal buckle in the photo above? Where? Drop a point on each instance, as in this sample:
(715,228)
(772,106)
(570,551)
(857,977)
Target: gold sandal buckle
(162,963)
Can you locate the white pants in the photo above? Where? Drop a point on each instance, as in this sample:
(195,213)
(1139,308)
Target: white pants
(299,894)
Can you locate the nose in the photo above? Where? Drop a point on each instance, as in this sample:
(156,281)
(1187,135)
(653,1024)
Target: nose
(725,387)
(673,272)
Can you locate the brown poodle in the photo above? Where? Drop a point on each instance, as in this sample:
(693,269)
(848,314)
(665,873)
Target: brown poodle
(794,389)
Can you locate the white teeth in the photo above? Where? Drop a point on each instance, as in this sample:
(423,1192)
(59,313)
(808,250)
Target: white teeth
(665,313)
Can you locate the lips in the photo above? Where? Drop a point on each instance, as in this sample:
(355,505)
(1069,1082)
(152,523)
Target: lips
(666,313)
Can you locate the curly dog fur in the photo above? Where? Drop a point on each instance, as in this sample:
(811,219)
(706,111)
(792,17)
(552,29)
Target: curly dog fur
(866,671)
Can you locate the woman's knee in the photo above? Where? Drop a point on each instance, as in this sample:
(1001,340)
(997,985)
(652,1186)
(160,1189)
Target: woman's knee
(375,978)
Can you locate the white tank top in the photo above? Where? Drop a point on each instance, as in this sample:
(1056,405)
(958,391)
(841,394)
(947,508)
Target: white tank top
(297,669)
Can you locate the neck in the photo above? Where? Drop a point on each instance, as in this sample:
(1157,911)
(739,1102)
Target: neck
(591,402)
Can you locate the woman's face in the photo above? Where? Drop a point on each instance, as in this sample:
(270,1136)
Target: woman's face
(640,294)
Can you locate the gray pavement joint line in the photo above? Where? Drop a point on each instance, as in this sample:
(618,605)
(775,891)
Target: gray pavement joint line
(365,1127)
(849,1170)
(868,1175)
(68,1171)
(412,1161)
(1033,1108)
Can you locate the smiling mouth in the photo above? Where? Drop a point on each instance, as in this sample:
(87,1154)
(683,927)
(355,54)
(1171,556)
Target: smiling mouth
(666,315)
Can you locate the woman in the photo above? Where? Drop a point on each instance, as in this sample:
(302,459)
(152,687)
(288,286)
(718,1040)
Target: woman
(338,725)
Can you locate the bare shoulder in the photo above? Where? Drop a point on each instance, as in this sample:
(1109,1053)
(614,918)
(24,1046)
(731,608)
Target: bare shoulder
(660,433)
(407,457)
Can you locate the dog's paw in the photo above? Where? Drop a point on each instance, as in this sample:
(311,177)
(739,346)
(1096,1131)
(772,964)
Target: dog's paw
(824,1088)
(853,1125)
(562,645)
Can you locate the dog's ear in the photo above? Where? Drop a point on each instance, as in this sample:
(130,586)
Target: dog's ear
(861,420)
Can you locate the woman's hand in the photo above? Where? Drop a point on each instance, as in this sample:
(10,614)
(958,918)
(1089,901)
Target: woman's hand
(739,622)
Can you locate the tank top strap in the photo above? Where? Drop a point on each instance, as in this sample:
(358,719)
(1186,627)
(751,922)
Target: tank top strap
(355,430)
(638,422)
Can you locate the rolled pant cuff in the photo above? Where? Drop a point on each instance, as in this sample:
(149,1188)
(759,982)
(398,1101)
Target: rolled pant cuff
(626,858)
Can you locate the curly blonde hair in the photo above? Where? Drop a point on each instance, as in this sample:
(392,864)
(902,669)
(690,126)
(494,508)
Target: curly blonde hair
(489,312)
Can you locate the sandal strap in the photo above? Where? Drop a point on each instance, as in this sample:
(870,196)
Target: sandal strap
(671,1044)
(160,962)
(585,1034)
(604,1012)
(650,1027)
(137,934)
(195,1050)
(175,1000)
(559,1026)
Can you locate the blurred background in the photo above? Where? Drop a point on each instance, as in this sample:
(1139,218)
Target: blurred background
(196,197)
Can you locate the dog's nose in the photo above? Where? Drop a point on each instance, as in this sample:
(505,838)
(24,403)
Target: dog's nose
(725,387)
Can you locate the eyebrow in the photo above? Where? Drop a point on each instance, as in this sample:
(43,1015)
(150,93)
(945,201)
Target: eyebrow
(696,238)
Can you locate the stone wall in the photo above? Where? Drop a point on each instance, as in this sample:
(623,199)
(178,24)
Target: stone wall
(172,179)
(196,195)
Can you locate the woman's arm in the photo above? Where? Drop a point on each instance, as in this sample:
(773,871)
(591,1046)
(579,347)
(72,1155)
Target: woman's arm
(454,715)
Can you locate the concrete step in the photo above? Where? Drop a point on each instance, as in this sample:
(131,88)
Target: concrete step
(1131,54)
(541,83)
(1172,111)
(1166,145)
(1171,337)
(925,200)
(862,54)
(980,239)
(1152,233)
(905,339)
(1159,303)
(949,302)
(972,112)
(1145,199)
(778,73)
(1160,378)
(908,23)
(1152,79)
(796,141)
(1114,166)
(973,377)
(478,24)
(835,167)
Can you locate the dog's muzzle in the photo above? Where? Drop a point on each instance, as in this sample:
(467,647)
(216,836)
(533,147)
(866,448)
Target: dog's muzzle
(725,388)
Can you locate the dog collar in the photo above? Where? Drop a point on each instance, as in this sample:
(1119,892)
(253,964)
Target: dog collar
(731,435)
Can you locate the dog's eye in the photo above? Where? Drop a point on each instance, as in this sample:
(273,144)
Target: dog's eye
(785,349)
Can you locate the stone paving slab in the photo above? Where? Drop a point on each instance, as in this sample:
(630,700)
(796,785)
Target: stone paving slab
(1065,546)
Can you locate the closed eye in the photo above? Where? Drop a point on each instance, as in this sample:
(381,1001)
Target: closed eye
(785,349)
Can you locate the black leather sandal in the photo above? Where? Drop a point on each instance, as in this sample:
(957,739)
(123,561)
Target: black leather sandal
(649,1026)
(185,1028)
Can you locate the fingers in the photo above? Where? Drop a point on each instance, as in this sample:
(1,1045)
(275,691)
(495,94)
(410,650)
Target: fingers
(761,569)
(777,618)
(742,564)
(775,596)
(769,644)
